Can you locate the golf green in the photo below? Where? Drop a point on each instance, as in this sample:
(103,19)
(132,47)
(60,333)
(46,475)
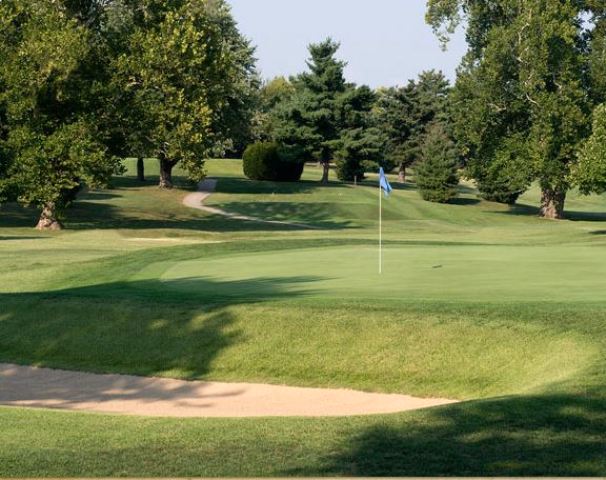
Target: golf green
(470,273)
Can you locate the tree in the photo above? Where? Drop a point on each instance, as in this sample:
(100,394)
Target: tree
(270,96)
(307,125)
(436,174)
(52,96)
(190,73)
(404,113)
(360,146)
(530,74)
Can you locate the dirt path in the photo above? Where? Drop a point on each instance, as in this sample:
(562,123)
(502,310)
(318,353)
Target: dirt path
(157,397)
(207,187)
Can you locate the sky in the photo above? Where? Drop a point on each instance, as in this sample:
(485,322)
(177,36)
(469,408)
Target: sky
(385,42)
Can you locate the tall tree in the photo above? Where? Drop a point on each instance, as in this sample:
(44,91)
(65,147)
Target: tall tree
(307,126)
(529,81)
(360,146)
(436,175)
(52,78)
(190,73)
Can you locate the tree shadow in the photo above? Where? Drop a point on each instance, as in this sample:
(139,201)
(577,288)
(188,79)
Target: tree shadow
(463,201)
(312,214)
(90,214)
(231,185)
(149,327)
(18,237)
(559,435)
(576,216)
(520,209)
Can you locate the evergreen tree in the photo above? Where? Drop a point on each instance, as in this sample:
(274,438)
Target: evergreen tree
(307,126)
(404,113)
(436,174)
(360,146)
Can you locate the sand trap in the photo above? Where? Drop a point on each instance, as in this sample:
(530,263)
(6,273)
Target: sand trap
(157,397)
(207,187)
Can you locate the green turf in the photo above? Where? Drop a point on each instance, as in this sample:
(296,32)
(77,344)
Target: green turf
(478,302)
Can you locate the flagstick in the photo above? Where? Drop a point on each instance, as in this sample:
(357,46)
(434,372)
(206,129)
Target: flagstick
(380,230)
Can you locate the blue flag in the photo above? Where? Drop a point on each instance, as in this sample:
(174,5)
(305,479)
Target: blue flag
(384,183)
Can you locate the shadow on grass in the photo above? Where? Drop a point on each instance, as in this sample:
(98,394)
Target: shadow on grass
(17,237)
(463,201)
(559,435)
(91,213)
(141,327)
(585,216)
(315,214)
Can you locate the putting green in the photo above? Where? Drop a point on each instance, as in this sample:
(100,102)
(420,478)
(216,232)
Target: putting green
(415,272)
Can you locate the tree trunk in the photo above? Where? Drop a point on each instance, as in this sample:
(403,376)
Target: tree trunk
(140,169)
(325,171)
(166,173)
(402,174)
(552,204)
(48,218)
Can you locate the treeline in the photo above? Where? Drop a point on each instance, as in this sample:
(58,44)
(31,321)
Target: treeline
(84,83)
(320,116)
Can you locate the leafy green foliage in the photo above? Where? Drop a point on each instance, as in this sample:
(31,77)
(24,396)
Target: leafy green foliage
(531,74)
(263,161)
(590,173)
(191,72)
(436,174)
(52,137)
(271,94)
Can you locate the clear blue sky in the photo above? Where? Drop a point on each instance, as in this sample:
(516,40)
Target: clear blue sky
(385,42)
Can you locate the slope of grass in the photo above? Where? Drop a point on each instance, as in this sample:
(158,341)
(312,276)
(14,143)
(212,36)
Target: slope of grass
(477,301)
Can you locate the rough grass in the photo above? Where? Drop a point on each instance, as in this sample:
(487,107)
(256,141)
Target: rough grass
(478,302)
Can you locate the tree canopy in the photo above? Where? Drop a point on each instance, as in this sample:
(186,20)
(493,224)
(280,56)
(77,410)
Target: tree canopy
(52,101)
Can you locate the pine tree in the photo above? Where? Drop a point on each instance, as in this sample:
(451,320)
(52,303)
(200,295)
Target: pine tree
(307,126)
(360,146)
(436,174)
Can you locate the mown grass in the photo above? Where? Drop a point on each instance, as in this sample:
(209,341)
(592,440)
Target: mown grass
(478,302)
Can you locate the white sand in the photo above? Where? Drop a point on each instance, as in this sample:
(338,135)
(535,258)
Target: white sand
(158,397)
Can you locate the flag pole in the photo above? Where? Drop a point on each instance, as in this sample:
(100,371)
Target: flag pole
(380,229)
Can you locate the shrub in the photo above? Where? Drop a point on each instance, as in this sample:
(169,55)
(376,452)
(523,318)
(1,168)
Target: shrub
(436,175)
(263,161)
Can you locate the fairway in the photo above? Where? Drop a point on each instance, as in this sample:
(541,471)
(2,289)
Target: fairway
(477,302)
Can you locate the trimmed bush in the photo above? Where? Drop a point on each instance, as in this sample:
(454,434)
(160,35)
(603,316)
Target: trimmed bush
(263,161)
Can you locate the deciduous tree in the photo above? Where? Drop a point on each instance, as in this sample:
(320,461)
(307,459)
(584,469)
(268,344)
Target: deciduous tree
(52,81)
(529,79)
